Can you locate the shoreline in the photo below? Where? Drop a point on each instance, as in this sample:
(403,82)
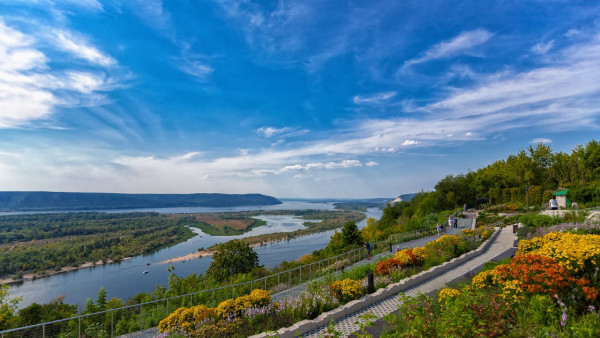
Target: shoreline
(47,273)
(209,252)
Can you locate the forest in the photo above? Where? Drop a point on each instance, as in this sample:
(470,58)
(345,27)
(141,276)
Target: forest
(49,200)
(40,242)
(522,182)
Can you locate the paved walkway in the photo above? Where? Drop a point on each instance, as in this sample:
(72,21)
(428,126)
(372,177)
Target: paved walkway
(502,245)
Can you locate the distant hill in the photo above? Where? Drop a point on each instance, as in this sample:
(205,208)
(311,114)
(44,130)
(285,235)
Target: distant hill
(404,198)
(43,200)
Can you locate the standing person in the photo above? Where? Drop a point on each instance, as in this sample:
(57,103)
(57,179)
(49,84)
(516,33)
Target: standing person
(449,221)
(368,247)
(553,203)
(465,207)
(438,229)
(456,223)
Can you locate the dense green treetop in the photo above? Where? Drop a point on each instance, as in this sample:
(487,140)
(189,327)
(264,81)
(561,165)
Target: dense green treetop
(230,258)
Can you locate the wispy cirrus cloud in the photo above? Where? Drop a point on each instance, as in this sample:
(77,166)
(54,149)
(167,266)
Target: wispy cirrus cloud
(283,132)
(542,48)
(460,44)
(272,131)
(31,90)
(77,45)
(194,64)
(373,98)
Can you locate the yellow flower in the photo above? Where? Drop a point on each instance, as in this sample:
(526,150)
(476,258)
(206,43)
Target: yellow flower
(484,279)
(446,295)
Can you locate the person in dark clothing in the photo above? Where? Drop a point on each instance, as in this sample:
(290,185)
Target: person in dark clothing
(368,247)
(456,223)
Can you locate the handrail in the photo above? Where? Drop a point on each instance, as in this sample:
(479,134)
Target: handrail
(352,253)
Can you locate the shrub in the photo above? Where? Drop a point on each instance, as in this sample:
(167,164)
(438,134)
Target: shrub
(406,257)
(346,290)
(384,267)
(537,220)
(444,242)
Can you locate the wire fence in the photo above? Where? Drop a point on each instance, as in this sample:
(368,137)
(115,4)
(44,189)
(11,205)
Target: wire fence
(137,317)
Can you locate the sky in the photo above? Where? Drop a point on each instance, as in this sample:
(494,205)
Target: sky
(294,99)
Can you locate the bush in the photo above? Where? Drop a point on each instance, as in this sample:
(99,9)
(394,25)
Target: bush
(346,290)
(537,220)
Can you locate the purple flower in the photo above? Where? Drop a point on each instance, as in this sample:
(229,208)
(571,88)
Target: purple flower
(591,308)
(563,319)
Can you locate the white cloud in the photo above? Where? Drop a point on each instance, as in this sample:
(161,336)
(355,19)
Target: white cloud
(197,69)
(542,48)
(572,32)
(410,143)
(272,131)
(30,90)
(373,98)
(371,164)
(88,4)
(194,64)
(540,140)
(82,49)
(386,149)
(468,133)
(460,44)
(21,99)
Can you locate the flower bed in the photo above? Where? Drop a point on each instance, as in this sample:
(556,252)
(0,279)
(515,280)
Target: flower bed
(241,317)
(550,288)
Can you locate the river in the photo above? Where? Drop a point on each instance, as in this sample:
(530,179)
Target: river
(126,279)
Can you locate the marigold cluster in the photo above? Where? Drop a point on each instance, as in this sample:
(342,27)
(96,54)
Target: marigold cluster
(444,241)
(485,279)
(346,290)
(386,266)
(407,257)
(186,318)
(446,294)
(573,252)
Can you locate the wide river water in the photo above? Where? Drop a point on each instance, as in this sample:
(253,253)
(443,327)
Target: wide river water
(126,279)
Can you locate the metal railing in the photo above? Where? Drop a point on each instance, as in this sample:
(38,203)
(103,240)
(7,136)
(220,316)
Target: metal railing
(146,315)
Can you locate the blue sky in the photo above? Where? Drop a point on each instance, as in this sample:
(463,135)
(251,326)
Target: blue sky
(287,98)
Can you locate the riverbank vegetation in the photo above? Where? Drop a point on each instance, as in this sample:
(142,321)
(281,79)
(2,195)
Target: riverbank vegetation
(220,224)
(42,243)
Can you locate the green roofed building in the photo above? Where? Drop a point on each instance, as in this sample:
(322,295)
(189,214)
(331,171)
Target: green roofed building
(561,198)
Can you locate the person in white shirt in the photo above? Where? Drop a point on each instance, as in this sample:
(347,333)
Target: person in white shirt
(553,203)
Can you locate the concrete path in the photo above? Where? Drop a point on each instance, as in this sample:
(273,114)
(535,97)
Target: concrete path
(502,245)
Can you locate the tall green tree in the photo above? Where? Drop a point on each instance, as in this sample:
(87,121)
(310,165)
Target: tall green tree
(8,307)
(351,234)
(231,258)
